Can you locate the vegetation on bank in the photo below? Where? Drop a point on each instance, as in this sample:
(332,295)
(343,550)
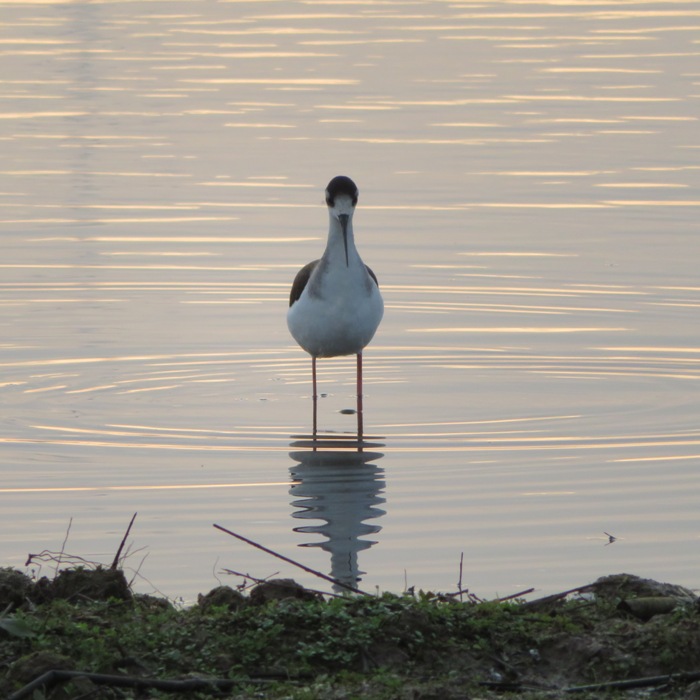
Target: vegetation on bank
(280,640)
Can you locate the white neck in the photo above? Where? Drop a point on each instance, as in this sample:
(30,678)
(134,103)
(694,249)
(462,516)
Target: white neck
(335,248)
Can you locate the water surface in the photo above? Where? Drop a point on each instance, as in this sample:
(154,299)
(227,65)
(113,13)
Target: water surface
(530,184)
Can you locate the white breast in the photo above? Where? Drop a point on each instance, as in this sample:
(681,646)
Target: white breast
(336,314)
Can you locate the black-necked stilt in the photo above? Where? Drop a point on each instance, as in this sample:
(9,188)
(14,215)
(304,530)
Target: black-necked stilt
(335,306)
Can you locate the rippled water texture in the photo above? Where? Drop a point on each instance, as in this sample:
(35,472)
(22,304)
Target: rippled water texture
(529,199)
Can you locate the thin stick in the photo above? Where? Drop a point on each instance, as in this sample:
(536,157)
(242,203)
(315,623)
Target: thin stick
(472,596)
(73,559)
(115,563)
(459,582)
(167,685)
(291,561)
(558,596)
(645,682)
(248,576)
(63,547)
(520,594)
(138,570)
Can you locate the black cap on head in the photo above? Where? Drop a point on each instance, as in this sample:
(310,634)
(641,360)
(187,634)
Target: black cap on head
(341,184)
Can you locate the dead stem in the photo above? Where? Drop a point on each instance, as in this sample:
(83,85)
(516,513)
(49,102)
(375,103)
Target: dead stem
(115,563)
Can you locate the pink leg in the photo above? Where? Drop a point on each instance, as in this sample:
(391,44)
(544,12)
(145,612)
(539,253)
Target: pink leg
(314,395)
(360,421)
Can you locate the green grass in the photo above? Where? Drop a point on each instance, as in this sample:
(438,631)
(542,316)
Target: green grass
(388,646)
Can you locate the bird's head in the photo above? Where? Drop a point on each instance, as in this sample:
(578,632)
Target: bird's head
(341,198)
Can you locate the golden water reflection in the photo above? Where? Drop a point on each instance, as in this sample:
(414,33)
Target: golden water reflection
(528,201)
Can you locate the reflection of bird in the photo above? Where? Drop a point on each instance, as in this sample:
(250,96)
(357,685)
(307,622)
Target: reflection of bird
(335,306)
(343,490)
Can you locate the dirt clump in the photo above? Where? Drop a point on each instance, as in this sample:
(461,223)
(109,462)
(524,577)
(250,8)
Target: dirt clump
(14,588)
(86,584)
(17,590)
(221,596)
(280,589)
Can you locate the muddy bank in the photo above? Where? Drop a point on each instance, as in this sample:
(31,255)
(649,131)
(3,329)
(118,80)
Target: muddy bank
(85,634)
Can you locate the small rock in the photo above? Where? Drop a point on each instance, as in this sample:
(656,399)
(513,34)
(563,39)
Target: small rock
(221,596)
(629,586)
(645,608)
(280,589)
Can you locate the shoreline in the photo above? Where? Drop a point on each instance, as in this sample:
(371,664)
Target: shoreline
(85,631)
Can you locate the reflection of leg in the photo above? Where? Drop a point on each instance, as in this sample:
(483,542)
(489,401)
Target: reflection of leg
(314,395)
(360,421)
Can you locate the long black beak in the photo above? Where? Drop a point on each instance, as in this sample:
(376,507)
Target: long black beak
(344,218)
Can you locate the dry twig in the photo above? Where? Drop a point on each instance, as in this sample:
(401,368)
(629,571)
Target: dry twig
(115,563)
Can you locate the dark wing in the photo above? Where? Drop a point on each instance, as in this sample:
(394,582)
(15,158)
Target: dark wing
(372,275)
(300,281)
